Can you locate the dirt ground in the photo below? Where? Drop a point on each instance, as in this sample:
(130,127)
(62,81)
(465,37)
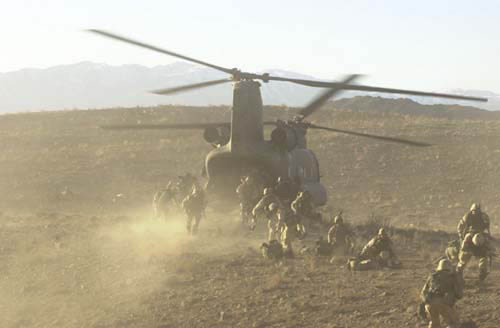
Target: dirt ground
(62,270)
(79,247)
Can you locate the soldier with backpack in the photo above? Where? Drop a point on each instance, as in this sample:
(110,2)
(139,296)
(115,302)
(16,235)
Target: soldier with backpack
(440,293)
(194,206)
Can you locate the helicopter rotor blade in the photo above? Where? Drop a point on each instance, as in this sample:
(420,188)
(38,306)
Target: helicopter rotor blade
(323,98)
(160,50)
(188,87)
(164,126)
(347,86)
(372,136)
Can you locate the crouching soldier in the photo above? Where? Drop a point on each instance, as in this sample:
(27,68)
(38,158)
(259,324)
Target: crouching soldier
(194,206)
(340,236)
(476,245)
(272,251)
(440,293)
(377,253)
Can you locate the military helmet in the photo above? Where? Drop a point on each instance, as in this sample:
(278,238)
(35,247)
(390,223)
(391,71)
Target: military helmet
(444,265)
(267,191)
(385,255)
(338,219)
(475,207)
(478,239)
(382,232)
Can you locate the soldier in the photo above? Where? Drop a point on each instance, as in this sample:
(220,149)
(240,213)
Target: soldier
(377,253)
(268,206)
(303,207)
(290,227)
(194,206)
(474,233)
(248,193)
(285,190)
(475,221)
(340,236)
(475,244)
(161,199)
(440,293)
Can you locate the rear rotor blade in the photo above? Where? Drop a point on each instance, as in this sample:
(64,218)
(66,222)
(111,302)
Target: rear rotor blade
(322,98)
(163,126)
(163,51)
(188,87)
(372,136)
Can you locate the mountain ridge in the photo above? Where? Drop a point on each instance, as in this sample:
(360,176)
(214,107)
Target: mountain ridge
(86,85)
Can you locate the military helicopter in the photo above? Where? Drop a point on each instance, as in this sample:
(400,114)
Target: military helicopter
(239,145)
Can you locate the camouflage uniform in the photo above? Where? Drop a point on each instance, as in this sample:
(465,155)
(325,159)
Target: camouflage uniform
(290,227)
(248,193)
(268,205)
(440,293)
(377,253)
(474,221)
(285,190)
(476,245)
(474,231)
(340,236)
(303,207)
(160,200)
(194,206)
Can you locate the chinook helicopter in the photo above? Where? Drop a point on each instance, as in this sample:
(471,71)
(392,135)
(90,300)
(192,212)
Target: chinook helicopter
(239,145)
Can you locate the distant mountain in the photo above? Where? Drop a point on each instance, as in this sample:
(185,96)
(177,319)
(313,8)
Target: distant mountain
(92,85)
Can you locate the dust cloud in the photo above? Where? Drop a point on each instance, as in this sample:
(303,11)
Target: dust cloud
(61,270)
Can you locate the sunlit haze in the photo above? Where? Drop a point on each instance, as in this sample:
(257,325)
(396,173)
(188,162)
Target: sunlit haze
(430,45)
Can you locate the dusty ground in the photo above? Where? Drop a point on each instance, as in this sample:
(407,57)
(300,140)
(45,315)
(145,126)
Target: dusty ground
(89,271)
(74,254)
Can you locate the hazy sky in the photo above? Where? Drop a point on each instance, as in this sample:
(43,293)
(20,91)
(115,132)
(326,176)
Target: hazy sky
(430,45)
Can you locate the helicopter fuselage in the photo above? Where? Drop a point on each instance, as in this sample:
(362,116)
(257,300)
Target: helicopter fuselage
(246,152)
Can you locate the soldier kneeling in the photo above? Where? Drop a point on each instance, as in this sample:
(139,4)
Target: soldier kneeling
(272,251)
(440,293)
(376,254)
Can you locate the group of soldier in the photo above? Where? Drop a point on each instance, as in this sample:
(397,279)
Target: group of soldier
(443,288)
(288,210)
(189,194)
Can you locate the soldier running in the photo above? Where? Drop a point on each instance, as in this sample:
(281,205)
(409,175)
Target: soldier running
(285,190)
(440,293)
(303,207)
(474,232)
(268,205)
(291,228)
(161,199)
(194,206)
(248,194)
(340,236)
